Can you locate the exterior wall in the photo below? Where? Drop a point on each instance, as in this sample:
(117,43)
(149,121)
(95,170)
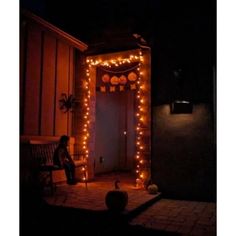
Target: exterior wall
(183,158)
(47,66)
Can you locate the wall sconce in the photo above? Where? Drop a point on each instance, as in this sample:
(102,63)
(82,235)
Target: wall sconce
(181,106)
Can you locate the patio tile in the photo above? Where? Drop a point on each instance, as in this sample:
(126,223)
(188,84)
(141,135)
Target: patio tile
(186,222)
(93,197)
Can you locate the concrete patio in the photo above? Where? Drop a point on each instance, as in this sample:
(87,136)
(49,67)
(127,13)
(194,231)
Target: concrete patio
(182,217)
(93,196)
(143,212)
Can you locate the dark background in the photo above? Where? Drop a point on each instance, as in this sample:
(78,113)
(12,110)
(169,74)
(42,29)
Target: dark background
(181,34)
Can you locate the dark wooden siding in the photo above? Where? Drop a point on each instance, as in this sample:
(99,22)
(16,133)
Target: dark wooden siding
(49,66)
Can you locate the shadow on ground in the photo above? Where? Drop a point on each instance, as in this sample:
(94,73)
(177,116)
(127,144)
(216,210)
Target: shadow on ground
(39,218)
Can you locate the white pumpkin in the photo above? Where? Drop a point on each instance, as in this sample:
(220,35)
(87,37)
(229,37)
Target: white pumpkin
(152,189)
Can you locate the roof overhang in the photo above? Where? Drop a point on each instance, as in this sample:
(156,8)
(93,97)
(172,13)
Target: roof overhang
(59,33)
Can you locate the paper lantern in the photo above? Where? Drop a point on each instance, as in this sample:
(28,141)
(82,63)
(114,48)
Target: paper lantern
(123,79)
(106,78)
(115,80)
(132,76)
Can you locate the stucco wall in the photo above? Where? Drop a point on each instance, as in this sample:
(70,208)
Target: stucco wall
(183,153)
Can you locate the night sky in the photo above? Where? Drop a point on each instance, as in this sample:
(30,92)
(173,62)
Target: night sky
(181,34)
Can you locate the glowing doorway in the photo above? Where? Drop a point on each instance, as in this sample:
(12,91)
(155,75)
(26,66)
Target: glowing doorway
(139,85)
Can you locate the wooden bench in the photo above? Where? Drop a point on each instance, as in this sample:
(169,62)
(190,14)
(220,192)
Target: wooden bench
(42,153)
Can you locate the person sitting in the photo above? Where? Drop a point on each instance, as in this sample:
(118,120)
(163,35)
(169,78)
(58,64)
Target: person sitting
(62,159)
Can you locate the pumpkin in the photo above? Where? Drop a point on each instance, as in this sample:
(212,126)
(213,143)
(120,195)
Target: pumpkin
(152,189)
(116,200)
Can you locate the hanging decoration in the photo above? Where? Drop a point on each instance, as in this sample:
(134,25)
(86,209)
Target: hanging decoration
(112,88)
(106,78)
(67,103)
(122,88)
(132,76)
(123,79)
(115,80)
(127,81)
(133,86)
(103,89)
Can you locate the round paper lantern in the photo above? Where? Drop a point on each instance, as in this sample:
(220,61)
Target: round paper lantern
(106,78)
(115,80)
(123,79)
(132,76)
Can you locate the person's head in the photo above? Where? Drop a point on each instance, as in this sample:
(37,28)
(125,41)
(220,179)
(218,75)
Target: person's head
(64,139)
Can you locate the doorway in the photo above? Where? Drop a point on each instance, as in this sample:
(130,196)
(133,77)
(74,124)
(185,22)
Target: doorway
(115,132)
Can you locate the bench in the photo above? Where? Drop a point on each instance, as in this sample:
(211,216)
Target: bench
(42,154)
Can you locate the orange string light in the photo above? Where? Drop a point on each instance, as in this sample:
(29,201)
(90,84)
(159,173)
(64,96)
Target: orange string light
(140,98)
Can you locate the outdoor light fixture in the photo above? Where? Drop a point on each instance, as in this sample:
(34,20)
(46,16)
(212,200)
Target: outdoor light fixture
(181,106)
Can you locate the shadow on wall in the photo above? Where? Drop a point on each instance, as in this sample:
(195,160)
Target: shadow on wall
(183,153)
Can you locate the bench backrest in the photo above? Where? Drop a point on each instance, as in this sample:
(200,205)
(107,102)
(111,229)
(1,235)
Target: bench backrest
(42,153)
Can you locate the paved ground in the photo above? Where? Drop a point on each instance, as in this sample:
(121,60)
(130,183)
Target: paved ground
(183,217)
(164,217)
(93,197)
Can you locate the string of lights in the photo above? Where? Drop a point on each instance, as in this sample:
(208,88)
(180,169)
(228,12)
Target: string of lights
(120,71)
(86,86)
(141,111)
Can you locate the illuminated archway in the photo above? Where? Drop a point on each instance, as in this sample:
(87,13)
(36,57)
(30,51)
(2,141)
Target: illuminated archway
(142,86)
